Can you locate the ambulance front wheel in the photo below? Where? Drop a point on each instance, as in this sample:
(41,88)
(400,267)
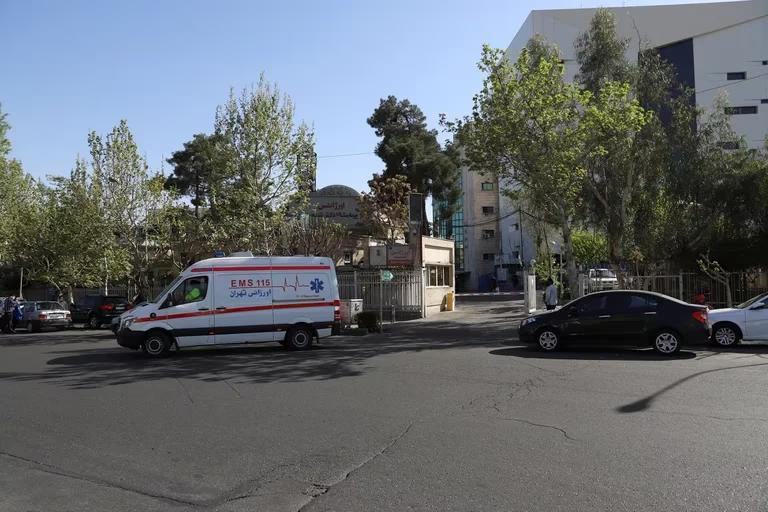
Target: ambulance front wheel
(156,344)
(298,338)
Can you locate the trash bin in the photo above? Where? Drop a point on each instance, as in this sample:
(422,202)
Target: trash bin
(450,301)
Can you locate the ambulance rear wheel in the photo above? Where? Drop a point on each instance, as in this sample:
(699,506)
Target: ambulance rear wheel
(298,338)
(156,344)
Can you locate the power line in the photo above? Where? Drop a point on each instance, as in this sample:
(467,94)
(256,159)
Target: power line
(732,83)
(346,154)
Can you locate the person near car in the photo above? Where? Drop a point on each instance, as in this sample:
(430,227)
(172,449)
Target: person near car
(9,305)
(18,313)
(550,295)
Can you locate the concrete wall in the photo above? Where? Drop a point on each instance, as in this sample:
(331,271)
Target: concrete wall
(436,251)
(727,36)
(741,47)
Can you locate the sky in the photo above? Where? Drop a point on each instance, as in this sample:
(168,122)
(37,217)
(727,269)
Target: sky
(69,68)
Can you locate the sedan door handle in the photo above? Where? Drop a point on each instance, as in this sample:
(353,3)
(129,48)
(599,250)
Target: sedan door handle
(221,308)
(604,316)
(202,309)
(649,313)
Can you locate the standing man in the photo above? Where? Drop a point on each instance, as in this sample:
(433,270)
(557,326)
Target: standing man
(550,295)
(8,307)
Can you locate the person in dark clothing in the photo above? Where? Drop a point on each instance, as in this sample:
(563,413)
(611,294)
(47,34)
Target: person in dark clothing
(9,305)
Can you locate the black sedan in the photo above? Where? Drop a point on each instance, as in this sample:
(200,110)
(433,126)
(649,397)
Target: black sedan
(626,317)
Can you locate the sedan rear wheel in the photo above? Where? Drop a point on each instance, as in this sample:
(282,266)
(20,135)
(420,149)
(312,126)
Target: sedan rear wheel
(667,343)
(94,322)
(725,335)
(548,340)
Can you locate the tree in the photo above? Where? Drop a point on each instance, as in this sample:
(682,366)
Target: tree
(133,201)
(262,164)
(311,237)
(18,196)
(601,53)
(526,127)
(198,171)
(409,149)
(589,248)
(621,168)
(385,208)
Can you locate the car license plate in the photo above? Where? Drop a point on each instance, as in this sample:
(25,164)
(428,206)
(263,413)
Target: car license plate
(56,317)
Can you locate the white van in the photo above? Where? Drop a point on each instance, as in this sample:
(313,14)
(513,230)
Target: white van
(227,301)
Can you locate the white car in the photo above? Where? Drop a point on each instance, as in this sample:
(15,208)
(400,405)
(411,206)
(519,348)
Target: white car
(602,279)
(747,321)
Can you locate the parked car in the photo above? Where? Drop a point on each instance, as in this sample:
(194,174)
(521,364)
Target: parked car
(602,279)
(624,317)
(747,321)
(97,310)
(238,300)
(41,314)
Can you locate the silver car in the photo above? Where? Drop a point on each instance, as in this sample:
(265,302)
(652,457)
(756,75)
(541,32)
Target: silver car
(40,314)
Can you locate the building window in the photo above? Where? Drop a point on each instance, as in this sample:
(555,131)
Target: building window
(738,75)
(487,210)
(488,256)
(735,111)
(487,186)
(515,255)
(347,257)
(439,275)
(764,100)
(515,227)
(489,233)
(765,63)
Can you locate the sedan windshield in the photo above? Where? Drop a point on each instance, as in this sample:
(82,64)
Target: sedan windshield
(745,305)
(604,272)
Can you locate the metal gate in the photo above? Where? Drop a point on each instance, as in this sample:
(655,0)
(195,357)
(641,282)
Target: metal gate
(402,298)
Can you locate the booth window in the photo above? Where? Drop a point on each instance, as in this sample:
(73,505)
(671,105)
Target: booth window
(439,275)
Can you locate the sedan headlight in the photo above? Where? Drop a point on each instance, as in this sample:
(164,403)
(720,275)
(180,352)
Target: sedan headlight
(527,321)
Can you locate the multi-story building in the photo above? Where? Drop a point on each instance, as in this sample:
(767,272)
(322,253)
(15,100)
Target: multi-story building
(475,228)
(715,47)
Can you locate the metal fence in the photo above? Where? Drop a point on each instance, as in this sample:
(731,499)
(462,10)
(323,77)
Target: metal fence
(402,298)
(687,285)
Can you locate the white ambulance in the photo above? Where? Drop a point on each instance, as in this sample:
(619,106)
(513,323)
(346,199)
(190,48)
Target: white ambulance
(238,300)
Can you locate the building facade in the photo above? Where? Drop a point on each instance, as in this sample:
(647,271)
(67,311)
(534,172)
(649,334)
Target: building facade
(474,227)
(716,48)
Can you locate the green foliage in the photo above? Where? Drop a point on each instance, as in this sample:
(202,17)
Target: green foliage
(527,127)
(198,170)
(409,149)
(589,248)
(600,53)
(385,208)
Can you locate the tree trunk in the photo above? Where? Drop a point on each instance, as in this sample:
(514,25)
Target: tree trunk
(573,278)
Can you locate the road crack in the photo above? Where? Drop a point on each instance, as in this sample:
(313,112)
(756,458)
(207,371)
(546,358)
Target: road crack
(53,470)
(318,489)
(542,425)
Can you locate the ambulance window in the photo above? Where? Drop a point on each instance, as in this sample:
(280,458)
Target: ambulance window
(193,289)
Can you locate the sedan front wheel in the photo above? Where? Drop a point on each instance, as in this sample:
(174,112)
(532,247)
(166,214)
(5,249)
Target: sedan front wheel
(725,335)
(548,340)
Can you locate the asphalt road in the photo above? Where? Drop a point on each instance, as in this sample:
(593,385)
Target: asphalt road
(445,414)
